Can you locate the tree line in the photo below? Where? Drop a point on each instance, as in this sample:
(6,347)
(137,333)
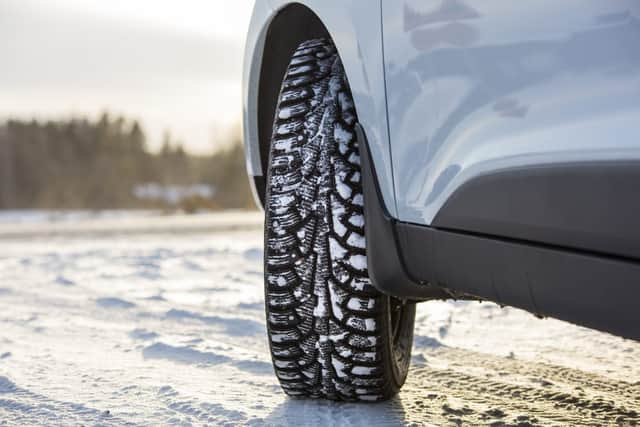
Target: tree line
(97,164)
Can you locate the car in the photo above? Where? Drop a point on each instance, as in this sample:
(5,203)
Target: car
(411,150)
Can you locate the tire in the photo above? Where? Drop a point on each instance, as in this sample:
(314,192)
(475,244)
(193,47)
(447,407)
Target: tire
(331,333)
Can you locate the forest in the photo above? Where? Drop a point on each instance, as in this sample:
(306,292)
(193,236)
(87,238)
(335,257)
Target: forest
(105,163)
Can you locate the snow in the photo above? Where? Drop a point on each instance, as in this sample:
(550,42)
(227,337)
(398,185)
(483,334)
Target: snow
(370,324)
(356,240)
(16,217)
(358,262)
(146,319)
(336,249)
(362,370)
(343,189)
(357,220)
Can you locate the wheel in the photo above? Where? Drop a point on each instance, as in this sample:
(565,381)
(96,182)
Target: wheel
(331,333)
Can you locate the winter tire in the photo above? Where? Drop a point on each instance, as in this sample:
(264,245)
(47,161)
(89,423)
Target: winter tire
(331,333)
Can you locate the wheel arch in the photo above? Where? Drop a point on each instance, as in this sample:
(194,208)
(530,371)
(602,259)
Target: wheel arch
(277,28)
(291,25)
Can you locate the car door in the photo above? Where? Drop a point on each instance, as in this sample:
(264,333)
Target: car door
(479,86)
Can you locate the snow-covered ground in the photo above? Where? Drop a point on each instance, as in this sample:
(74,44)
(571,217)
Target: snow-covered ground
(149,320)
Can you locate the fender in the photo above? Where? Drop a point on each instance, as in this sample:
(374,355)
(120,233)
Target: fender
(356,30)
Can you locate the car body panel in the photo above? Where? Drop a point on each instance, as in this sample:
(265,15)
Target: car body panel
(254,51)
(584,206)
(355,26)
(462,106)
(478,87)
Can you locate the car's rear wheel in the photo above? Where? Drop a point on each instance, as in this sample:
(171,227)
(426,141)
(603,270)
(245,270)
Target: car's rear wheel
(331,333)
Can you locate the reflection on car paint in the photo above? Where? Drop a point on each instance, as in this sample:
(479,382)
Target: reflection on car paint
(478,86)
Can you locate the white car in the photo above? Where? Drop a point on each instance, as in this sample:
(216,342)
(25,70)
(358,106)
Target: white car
(407,150)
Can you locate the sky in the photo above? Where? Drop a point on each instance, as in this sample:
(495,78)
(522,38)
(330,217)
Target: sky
(174,65)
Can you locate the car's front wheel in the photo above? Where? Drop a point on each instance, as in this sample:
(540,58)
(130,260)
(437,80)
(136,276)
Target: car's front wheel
(331,333)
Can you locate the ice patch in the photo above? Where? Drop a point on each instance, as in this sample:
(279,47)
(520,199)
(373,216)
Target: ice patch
(114,303)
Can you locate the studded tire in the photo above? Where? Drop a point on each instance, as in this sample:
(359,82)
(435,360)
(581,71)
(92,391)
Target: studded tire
(331,333)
